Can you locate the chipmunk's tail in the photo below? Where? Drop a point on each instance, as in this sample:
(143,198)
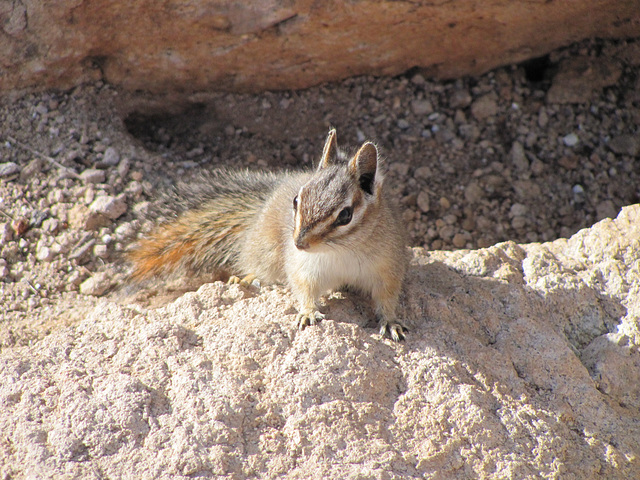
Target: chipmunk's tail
(169,248)
(212,215)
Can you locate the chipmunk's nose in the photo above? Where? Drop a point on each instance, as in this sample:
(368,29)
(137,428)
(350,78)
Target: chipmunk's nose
(301,239)
(301,244)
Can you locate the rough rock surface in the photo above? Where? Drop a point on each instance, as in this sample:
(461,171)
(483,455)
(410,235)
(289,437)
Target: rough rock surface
(523,361)
(275,44)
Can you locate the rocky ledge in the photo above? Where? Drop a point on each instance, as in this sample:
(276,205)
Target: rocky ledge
(522,362)
(280,44)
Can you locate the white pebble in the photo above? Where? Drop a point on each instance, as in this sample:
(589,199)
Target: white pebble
(96,285)
(570,140)
(108,206)
(100,251)
(8,168)
(111,157)
(44,254)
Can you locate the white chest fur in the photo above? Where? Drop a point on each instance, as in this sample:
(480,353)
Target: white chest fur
(326,268)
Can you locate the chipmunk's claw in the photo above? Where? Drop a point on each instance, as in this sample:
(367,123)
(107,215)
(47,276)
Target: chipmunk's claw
(306,319)
(246,282)
(395,330)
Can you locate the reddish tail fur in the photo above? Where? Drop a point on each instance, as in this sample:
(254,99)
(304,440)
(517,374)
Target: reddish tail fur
(163,252)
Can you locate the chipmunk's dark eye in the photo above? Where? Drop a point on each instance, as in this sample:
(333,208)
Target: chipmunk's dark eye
(295,203)
(344,216)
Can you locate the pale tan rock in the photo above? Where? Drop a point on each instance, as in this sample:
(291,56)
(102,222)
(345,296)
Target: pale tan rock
(96,285)
(110,207)
(522,361)
(275,44)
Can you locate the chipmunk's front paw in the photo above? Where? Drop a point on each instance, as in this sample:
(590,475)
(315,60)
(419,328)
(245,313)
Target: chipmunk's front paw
(245,282)
(394,329)
(312,317)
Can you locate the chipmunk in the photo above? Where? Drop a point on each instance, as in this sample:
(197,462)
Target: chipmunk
(314,231)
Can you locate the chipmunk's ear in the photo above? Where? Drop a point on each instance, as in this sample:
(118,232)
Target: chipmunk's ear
(364,165)
(330,151)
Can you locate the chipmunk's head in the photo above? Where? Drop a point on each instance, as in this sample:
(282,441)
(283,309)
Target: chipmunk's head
(340,199)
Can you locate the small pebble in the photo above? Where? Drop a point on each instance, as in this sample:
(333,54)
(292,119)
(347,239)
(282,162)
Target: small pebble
(31,169)
(459,240)
(400,168)
(473,193)
(518,222)
(423,172)
(484,107)
(96,285)
(42,109)
(101,251)
(518,157)
(93,175)
(403,124)
(518,209)
(123,167)
(8,168)
(444,135)
(50,225)
(570,140)
(421,107)
(110,207)
(408,215)
(460,99)
(75,278)
(80,252)
(447,232)
(423,201)
(6,233)
(625,145)
(110,157)
(418,79)
(124,231)
(469,132)
(543,119)
(44,254)
(188,164)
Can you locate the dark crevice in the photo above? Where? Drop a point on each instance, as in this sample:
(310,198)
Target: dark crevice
(537,69)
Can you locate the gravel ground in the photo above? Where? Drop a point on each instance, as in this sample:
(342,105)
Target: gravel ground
(526,153)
